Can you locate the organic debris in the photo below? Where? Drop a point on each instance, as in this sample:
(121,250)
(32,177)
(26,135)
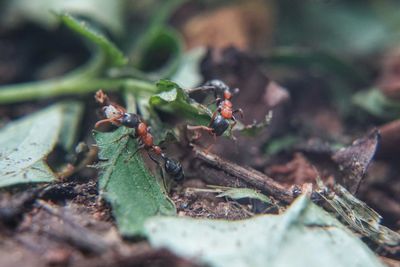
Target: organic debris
(223,129)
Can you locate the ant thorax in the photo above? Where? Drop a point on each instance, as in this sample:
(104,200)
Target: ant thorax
(112,112)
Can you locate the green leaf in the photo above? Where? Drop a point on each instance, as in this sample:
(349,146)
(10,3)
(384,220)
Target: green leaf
(114,55)
(340,27)
(158,53)
(25,145)
(280,144)
(133,192)
(104,12)
(304,235)
(255,128)
(316,61)
(343,76)
(375,103)
(188,73)
(72,112)
(173,98)
(240,193)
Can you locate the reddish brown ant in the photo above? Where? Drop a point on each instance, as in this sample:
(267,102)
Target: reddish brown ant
(118,116)
(220,119)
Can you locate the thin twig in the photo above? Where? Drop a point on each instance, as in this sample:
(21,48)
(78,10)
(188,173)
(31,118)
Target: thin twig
(247,175)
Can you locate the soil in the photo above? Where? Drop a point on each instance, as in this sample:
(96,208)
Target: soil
(68,224)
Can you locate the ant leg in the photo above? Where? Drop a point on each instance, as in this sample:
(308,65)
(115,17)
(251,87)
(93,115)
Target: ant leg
(213,117)
(122,110)
(200,127)
(196,130)
(232,126)
(112,120)
(216,101)
(240,111)
(161,171)
(208,148)
(201,88)
(141,146)
(154,159)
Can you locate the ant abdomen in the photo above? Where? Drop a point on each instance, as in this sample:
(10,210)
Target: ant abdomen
(174,169)
(219,125)
(130,120)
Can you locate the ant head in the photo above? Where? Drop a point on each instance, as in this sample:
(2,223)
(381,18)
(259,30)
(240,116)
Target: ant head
(130,120)
(218,85)
(111,112)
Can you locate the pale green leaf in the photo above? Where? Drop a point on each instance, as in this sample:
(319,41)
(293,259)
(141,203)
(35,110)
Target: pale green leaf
(172,98)
(159,52)
(280,143)
(375,103)
(188,73)
(72,112)
(133,192)
(103,12)
(240,193)
(347,28)
(304,235)
(256,127)
(25,144)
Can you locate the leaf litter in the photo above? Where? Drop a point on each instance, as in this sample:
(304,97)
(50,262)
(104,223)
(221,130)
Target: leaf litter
(134,193)
(295,238)
(240,69)
(26,144)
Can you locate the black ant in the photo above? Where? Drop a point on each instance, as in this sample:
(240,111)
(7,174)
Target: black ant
(220,119)
(118,116)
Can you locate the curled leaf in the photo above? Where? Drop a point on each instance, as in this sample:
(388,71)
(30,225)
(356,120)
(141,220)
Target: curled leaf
(26,143)
(188,73)
(173,98)
(354,160)
(159,52)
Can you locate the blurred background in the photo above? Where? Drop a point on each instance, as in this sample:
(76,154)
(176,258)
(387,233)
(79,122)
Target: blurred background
(328,69)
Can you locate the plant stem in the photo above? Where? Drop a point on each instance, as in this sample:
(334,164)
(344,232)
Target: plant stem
(66,86)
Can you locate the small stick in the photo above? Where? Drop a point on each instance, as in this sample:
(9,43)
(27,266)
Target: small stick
(248,175)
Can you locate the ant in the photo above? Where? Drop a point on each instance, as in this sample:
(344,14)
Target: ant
(220,119)
(118,116)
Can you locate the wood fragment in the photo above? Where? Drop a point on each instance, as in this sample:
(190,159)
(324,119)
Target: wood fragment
(245,174)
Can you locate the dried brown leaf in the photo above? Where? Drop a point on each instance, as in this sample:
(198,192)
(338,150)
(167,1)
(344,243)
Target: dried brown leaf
(354,160)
